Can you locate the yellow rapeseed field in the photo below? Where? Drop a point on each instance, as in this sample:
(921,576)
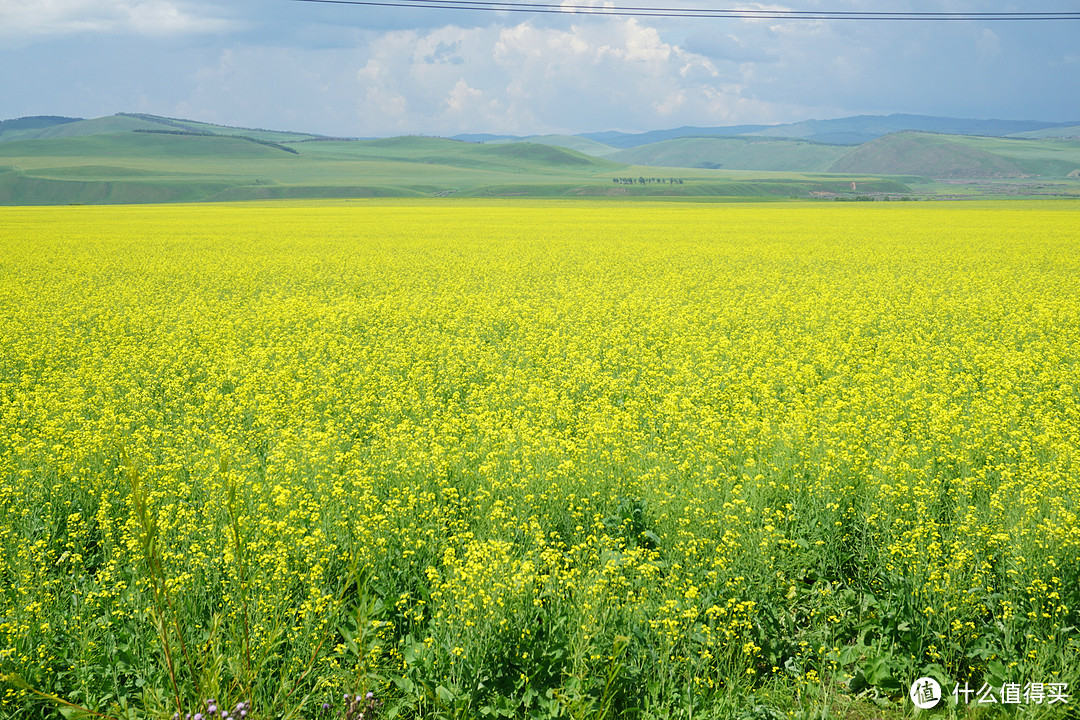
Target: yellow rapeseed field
(538,459)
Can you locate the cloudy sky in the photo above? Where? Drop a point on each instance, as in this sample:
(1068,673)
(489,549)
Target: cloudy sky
(375,71)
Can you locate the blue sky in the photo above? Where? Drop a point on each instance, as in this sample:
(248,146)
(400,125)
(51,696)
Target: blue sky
(366,71)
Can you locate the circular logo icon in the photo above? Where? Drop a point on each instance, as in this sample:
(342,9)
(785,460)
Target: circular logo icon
(925,693)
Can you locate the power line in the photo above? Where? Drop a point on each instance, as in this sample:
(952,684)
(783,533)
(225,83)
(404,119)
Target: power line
(570,9)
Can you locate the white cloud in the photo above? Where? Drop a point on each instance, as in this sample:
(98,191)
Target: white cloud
(462,97)
(286,88)
(346,71)
(24,21)
(670,104)
(525,78)
(988,45)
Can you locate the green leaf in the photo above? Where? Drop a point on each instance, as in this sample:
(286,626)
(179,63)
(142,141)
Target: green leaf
(997,673)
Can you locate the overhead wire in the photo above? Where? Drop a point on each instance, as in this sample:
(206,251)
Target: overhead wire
(745,14)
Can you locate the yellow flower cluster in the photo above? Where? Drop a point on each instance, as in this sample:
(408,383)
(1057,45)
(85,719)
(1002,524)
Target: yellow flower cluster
(541,426)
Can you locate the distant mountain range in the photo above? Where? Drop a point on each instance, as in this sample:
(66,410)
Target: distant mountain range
(842,131)
(921,145)
(148,158)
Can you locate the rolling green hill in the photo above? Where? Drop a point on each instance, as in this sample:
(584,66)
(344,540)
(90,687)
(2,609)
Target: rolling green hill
(145,158)
(165,167)
(253,133)
(509,157)
(57,127)
(177,164)
(734,153)
(136,145)
(78,128)
(922,154)
(28,127)
(1068,131)
(841,131)
(572,142)
(863,128)
(956,156)
(1047,157)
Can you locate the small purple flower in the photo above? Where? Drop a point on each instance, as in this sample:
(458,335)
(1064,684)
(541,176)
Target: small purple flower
(212,709)
(369,695)
(326,707)
(198,716)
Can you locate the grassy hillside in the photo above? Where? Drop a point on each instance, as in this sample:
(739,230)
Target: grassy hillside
(1048,157)
(172,164)
(515,158)
(630,140)
(734,153)
(27,127)
(139,145)
(162,167)
(254,133)
(863,128)
(572,142)
(20,188)
(840,131)
(1066,131)
(96,126)
(948,156)
(837,131)
(57,127)
(921,154)
(924,154)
